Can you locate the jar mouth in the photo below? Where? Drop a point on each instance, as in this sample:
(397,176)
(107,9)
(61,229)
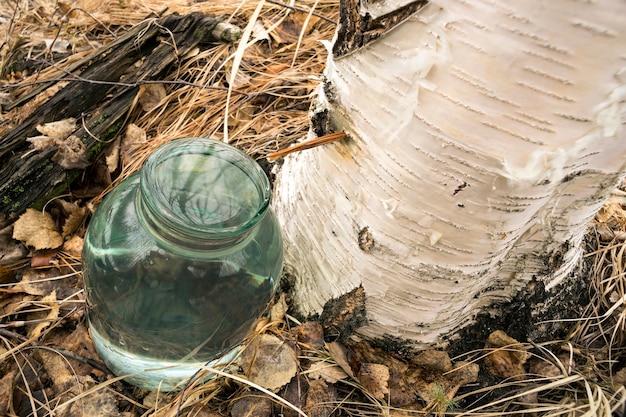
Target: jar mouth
(204,188)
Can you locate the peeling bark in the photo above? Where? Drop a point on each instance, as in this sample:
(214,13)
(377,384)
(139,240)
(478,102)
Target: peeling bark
(484,136)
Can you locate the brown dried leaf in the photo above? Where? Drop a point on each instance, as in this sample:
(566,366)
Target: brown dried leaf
(44,281)
(47,317)
(6,275)
(151,95)
(41,142)
(507,356)
(37,230)
(374,378)
(74,221)
(67,385)
(321,399)
(71,153)
(294,393)
(112,156)
(433,360)
(57,368)
(310,334)
(74,246)
(464,373)
(289,29)
(252,406)
(133,136)
(279,309)
(339,355)
(11,251)
(59,130)
(63,7)
(6,391)
(269,362)
(329,372)
(42,258)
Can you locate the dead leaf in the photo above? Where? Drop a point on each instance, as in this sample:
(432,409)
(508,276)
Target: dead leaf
(310,334)
(59,46)
(63,7)
(57,368)
(374,378)
(156,399)
(102,402)
(112,155)
(43,281)
(58,130)
(329,372)
(66,385)
(252,406)
(151,95)
(41,143)
(37,230)
(269,362)
(295,393)
(506,356)
(547,369)
(464,373)
(74,246)
(42,258)
(276,68)
(46,317)
(402,378)
(133,136)
(435,361)
(71,153)
(321,399)
(339,355)
(74,221)
(6,391)
(259,31)
(11,251)
(289,29)
(279,309)
(6,275)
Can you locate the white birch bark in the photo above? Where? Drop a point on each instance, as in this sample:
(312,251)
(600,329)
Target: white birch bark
(485,135)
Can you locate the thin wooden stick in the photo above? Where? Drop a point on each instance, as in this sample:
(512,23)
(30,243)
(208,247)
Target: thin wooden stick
(312,143)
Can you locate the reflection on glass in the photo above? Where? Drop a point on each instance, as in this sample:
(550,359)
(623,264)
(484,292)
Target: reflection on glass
(180,259)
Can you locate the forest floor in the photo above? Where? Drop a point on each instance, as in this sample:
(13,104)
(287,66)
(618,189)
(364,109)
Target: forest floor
(257,95)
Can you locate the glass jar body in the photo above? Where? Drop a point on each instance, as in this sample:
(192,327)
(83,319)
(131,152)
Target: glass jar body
(154,303)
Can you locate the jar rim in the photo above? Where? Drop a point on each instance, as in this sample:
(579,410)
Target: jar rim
(204,189)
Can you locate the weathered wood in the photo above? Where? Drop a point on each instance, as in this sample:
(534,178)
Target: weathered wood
(99,99)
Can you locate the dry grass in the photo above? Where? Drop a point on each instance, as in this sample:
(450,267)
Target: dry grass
(256,95)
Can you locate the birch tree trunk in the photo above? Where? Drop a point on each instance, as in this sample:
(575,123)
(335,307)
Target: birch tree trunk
(483,138)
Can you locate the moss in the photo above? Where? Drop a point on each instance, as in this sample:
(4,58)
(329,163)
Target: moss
(63,186)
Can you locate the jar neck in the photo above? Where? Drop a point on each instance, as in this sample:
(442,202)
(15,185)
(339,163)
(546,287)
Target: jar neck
(201,194)
(186,238)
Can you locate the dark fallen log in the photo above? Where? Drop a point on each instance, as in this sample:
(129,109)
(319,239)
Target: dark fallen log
(96,97)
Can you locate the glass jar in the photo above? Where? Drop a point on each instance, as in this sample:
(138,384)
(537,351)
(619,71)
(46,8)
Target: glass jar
(179,260)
